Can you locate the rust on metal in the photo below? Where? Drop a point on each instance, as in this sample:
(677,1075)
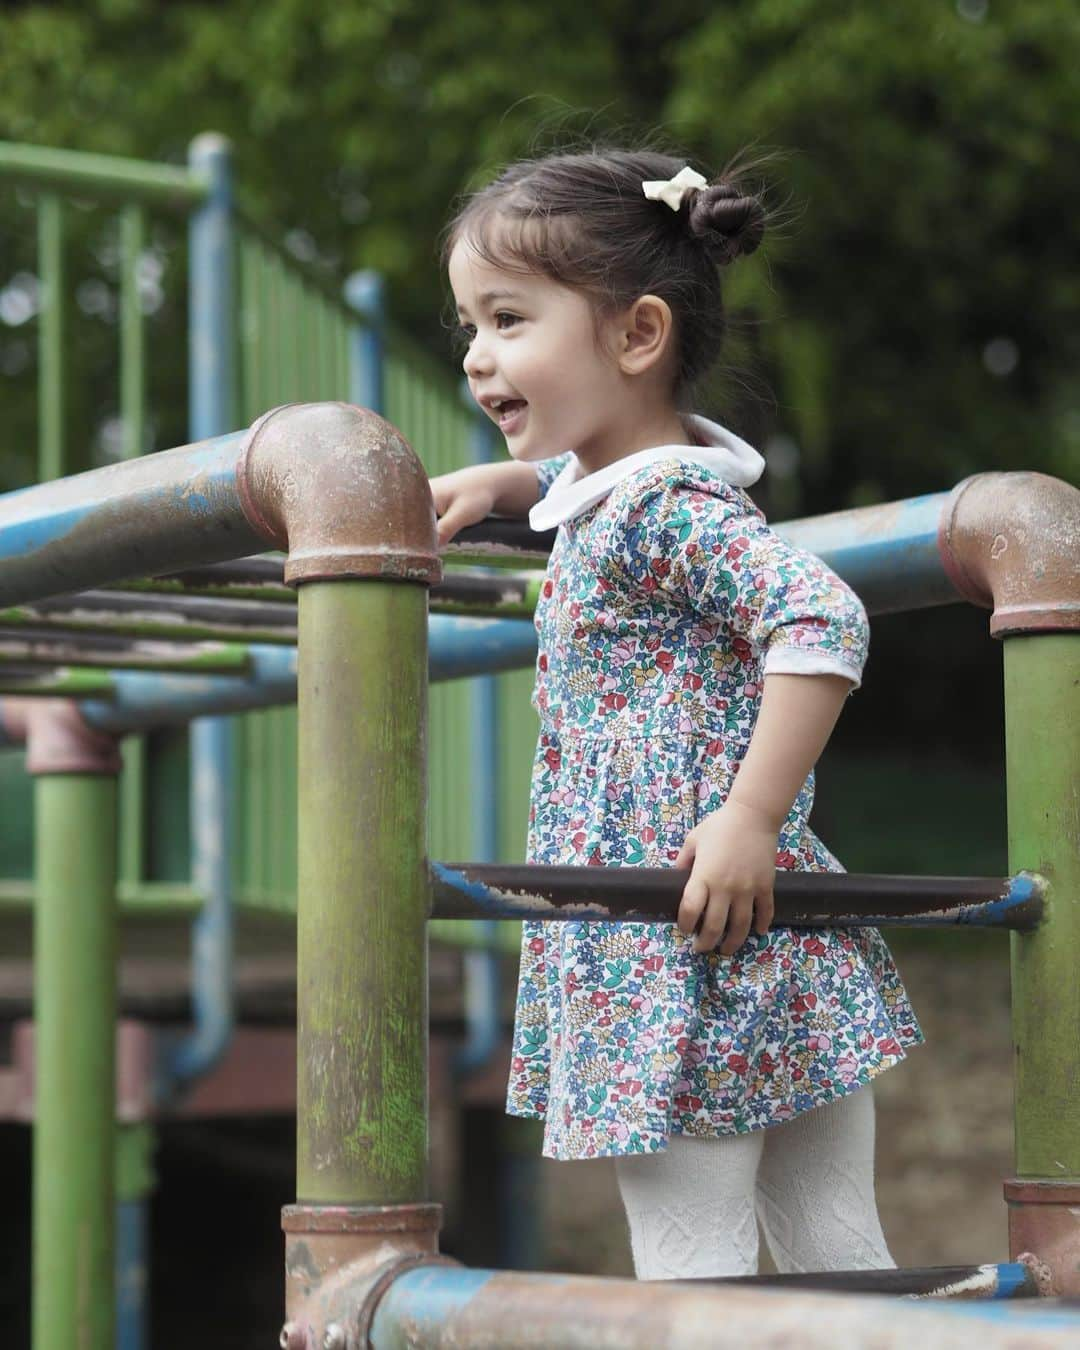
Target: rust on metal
(58,738)
(1010,542)
(934,1282)
(803,899)
(342,491)
(48,648)
(519,1311)
(339,1259)
(496,538)
(367,1219)
(1044,1228)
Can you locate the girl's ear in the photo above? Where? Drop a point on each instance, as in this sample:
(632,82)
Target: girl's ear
(644,334)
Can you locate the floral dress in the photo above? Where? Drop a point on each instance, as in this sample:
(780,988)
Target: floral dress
(664,605)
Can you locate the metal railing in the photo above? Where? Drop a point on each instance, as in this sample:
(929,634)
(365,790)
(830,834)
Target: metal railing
(364,899)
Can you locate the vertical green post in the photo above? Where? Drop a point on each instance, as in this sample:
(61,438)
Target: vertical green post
(50,214)
(1042,723)
(74,1016)
(132,344)
(363,894)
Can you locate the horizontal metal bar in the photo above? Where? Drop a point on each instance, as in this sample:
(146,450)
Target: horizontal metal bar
(150,898)
(101,176)
(887,553)
(175,618)
(156,513)
(456,648)
(445,1306)
(37,647)
(1010,1279)
(496,540)
(803,899)
(65,682)
(505,595)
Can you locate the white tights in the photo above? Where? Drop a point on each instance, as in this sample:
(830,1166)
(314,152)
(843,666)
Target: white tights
(691,1209)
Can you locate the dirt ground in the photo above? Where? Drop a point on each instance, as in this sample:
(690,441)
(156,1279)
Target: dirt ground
(944,1136)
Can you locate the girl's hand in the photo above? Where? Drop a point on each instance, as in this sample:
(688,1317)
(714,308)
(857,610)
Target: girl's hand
(462,498)
(732,857)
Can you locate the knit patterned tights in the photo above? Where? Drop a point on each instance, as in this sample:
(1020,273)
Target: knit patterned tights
(694,1209)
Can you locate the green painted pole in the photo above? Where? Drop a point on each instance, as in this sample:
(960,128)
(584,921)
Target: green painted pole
(1042,725)
(74,1015)
(362,894)
(50,212)
(132,335)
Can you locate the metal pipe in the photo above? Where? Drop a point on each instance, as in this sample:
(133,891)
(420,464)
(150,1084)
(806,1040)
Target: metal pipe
(803,899)
(362,896)
(1042,736)
(120,701)
(164,610)
(212,395)
(66,682)
(99,176)
(1013,1279)
(52,391)
(434,1306)
(74,1017)
(45,647)
(251,580)
(365,294)
(156,513)
(134,1187)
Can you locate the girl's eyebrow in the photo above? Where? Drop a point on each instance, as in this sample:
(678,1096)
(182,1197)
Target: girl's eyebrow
(489,297)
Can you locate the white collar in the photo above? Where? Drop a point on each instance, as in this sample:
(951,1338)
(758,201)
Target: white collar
(718,450)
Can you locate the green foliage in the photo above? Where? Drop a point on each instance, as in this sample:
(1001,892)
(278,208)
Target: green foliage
(926,204)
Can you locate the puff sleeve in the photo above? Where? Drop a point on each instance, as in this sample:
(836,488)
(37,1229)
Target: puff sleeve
(706,545)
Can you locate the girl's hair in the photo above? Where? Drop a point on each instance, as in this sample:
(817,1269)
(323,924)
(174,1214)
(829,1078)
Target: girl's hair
(584,221)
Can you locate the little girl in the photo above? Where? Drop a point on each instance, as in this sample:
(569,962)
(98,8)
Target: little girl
(691,668)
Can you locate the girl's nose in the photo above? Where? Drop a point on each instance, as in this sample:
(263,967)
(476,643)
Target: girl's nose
(477,360)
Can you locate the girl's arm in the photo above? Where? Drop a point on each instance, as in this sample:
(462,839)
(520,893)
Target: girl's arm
(469,495)
(732,853)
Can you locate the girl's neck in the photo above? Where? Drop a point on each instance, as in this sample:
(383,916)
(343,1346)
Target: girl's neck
(634,429)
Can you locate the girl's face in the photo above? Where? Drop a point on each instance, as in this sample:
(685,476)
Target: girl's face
(537,363)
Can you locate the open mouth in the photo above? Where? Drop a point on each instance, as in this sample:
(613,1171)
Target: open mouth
(508,412)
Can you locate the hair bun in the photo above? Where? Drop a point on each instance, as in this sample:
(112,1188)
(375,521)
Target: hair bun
(727,222)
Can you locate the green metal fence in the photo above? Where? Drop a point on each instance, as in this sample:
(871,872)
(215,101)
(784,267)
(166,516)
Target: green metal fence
(295,336)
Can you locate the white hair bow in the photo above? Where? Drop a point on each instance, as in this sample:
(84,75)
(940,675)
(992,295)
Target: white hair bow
(673,190)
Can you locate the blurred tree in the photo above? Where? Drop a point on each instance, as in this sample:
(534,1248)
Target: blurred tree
(915,317)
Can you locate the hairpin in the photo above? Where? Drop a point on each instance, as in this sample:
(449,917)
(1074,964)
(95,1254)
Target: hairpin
(673,190)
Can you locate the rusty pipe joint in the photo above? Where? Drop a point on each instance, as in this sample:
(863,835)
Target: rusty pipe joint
(57,737)
(1010,542)
(1043,1232)
(342,491)
(340,1260)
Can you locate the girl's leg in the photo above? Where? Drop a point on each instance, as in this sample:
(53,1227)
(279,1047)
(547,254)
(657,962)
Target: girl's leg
(815,1192)
(691,1208)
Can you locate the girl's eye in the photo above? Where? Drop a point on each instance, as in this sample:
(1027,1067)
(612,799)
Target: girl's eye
(465,332)
(503,319)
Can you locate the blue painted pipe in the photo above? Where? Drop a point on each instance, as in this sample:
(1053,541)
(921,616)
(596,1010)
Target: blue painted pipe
(132,1249)
(211,395)
(154,514)
(144,699)
(365,292)
(449,1306)
(887,553)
